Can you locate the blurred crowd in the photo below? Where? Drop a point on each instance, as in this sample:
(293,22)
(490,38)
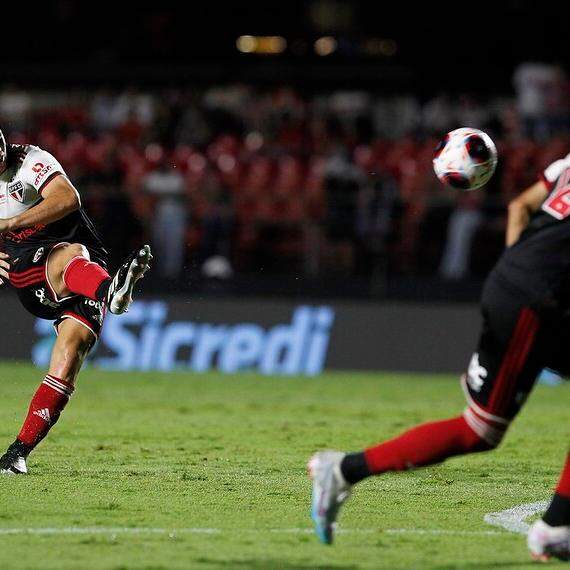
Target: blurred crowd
(241,179)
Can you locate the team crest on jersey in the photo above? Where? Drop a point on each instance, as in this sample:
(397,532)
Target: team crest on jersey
(38,255)
(16,190)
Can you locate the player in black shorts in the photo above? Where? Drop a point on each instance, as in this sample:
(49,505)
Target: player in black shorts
(526,327)
(56,262)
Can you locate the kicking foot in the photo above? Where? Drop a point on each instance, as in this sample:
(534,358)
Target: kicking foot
(546,542)
(120,294)
(13,462)
(330,491)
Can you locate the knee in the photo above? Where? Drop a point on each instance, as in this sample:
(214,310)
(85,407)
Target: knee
(76,250)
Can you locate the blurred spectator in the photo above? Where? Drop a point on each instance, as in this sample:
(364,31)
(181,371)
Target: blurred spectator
(169,215)
(131,104)
(282,179)
(343,181)
(101,110)
(470,113)
(464,222)
(541,97)
(438,115)
(15,107)
(377,210)
(217,226)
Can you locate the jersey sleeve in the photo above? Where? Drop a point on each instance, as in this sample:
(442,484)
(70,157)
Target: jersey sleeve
(553,172)
(39,169)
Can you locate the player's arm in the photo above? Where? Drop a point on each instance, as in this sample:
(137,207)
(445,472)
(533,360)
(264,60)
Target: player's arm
(60,199)
(521,209)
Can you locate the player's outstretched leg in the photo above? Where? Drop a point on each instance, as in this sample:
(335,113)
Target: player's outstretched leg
(550,536)
(71,272)
(334,473)
(120,293)
(71,347)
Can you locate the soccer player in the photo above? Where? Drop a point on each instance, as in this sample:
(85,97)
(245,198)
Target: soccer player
(526,328)
(55,260)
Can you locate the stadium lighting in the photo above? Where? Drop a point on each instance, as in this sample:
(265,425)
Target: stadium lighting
(380,47)
(246,44)
(261,44)
(325,46)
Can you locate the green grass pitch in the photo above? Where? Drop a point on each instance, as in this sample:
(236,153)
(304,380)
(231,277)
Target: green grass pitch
(225,456)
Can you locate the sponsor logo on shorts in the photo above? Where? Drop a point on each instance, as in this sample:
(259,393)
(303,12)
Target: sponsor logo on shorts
(42,297)
(476,374)
(38,255)
(99,312)
(16,190)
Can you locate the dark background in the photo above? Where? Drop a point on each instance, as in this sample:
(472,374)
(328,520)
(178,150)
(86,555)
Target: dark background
(446,45)
(61,61)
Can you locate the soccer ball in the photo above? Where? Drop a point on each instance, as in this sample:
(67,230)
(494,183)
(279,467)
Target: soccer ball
(465,159)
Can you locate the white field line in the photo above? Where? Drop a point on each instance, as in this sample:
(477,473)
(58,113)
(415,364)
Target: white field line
(111,530)
(513,519)
(173,532)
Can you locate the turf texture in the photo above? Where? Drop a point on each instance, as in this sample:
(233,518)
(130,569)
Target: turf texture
(208,471)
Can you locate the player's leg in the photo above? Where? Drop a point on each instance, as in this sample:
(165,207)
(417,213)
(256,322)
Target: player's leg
(334,473)
(500,376)
(550,536)
(71,347)
(70,271)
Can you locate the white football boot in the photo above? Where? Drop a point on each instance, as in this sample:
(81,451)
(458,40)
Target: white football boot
(330,491)
(120,294)
(546,542)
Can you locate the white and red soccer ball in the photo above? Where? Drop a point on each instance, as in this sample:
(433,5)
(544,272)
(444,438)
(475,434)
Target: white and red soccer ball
(465,159)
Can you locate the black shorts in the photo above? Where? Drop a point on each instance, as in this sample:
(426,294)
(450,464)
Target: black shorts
(28,275)
(518,339)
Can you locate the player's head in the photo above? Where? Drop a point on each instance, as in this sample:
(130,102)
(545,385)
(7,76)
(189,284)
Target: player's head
(3,152)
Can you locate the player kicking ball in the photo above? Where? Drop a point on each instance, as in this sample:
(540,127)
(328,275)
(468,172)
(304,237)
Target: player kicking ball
(526,327)
(55,260)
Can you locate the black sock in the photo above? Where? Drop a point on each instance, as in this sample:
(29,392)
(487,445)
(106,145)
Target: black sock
(354,468)
(102,290)
(20,448)
(558,513)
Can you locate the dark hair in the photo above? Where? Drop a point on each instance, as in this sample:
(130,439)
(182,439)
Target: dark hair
(15,154)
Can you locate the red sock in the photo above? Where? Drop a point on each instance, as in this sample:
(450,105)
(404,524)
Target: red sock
(85,278)
(46,406)
(564,483)
(424,445)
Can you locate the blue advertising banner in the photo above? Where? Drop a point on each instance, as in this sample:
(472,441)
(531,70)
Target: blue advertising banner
(153,336)
(266,336)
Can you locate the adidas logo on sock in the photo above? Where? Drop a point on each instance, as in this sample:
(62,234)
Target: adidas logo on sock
(44,414)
